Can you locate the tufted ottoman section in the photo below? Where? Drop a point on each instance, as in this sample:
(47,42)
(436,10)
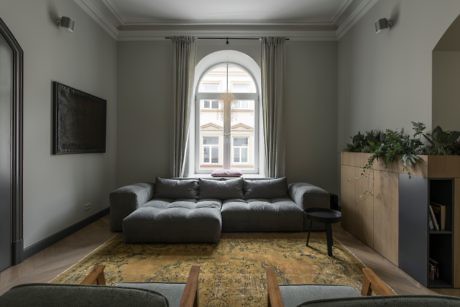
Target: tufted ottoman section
(278,214)
(174,221)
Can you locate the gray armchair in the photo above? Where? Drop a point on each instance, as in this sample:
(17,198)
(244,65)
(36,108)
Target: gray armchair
(345,296)
(93,292)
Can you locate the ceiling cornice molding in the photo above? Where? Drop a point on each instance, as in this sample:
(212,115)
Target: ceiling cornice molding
(341,11)
(114,10)
(100,13)
(351,18)
(120,28)
(151,35)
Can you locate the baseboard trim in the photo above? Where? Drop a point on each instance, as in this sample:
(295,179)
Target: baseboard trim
(40,245)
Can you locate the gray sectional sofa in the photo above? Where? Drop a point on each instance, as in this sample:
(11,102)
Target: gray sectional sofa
(198,210)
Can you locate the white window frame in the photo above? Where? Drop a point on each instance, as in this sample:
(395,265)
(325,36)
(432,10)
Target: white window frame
(227,139)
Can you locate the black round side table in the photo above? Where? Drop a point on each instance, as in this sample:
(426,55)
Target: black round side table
(327,217)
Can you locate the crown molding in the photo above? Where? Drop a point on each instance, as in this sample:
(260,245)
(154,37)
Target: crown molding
(99,12)
(334,20)
(351,18)
(120,28)
(152,35)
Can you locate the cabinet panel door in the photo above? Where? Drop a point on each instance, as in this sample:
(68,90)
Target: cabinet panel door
(347,195)
(365,205)
(386,214)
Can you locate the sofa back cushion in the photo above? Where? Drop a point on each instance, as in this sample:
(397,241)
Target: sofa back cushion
(221,189)
(176,188)
(266,188)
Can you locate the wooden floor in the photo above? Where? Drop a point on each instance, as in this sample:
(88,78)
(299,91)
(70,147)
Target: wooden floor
(44,266)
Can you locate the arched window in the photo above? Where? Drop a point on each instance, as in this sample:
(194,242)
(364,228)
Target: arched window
(227,119)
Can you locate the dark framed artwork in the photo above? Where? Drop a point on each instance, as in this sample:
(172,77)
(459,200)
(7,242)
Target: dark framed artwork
(79,124)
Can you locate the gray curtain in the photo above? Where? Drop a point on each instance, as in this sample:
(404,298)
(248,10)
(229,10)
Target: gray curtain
(272,104)
(183,73)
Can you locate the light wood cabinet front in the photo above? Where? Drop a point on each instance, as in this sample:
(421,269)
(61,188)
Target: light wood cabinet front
(386,214)
(357,203)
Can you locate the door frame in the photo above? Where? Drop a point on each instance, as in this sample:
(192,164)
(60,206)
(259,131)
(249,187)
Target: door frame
(17,243)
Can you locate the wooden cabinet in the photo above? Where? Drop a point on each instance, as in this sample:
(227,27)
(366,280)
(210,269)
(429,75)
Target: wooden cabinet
(388,210)
(370,211)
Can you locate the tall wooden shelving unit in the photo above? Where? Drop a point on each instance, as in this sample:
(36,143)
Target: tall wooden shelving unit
(388,210)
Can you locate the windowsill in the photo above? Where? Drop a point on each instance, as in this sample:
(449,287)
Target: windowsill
(247,176)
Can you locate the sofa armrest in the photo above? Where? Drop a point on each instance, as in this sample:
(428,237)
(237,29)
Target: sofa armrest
(306,196)
(126,199)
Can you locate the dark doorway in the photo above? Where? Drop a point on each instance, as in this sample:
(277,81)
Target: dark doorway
(11,87)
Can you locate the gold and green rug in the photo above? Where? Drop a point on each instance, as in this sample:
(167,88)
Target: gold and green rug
(232,272)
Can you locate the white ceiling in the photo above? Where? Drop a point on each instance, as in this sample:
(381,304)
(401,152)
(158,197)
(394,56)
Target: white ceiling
(315,20)
(227,11)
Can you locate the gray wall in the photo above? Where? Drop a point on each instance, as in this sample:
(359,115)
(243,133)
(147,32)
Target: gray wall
(311,113)
(144,111)
(446,89)
(56,188)
(145,96)
(385,79)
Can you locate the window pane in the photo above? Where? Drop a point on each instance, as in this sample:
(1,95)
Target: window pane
(244,155)
(214,80)
(236,155)
(211,140)
(241,141)
(215,154)
(206,154)
(239,80)
(211,133)
(243,133)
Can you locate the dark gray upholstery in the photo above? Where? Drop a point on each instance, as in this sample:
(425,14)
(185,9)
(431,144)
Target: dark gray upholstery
(294,295)
(309,196)
(261,215)
(51,295)
(125,200)
(176,188)
(388,301)
(184,216)
(266,188)
(172,291)
(221,189)
(169,221)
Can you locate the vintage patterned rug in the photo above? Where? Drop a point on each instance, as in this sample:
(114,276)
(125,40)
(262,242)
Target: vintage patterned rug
(232,272)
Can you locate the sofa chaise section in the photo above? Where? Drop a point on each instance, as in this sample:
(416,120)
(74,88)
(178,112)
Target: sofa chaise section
(127,199)
(174,221)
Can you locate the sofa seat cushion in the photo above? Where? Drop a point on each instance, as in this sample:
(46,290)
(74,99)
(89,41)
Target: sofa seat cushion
(183,203)
(172,291)
(294,295)
(168,221)
(279,214)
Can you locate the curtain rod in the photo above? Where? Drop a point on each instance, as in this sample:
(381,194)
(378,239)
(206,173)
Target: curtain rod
(225,38)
